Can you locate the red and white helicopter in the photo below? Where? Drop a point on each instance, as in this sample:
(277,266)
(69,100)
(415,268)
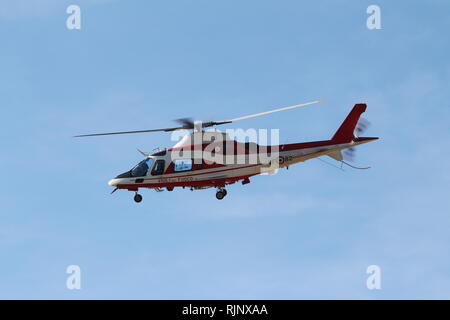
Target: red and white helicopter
(206,159)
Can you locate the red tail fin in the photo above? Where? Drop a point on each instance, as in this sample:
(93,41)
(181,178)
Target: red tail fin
(345,131)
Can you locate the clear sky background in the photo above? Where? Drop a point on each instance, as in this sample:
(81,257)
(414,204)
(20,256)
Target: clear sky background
(310,232)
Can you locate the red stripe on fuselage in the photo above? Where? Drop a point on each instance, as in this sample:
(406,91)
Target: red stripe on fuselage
(207,183)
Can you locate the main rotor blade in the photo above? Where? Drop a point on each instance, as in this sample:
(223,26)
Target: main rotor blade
(186,122)
(189,124)
(267,112)
(127,132)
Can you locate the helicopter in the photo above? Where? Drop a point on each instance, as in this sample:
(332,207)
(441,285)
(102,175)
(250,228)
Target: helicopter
(205,159)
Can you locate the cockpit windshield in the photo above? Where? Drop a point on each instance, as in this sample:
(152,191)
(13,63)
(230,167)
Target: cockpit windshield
(142,167)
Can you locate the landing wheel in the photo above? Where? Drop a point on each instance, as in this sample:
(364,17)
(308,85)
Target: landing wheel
(220,194)
(137,198)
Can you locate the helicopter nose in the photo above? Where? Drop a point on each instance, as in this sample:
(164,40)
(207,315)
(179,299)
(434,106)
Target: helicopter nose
(113,182)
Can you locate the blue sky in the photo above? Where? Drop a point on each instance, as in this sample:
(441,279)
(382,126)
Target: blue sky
(306,233)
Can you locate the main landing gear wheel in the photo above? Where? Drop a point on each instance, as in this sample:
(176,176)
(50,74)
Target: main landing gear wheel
(137,198)
(221,193)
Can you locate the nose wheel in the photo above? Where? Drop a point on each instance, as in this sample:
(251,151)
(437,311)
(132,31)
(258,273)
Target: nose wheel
(137,197)
(221,193)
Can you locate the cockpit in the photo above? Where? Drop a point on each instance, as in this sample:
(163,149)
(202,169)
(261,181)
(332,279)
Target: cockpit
(142,168)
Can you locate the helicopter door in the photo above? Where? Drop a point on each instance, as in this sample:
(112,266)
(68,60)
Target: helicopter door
(158,168)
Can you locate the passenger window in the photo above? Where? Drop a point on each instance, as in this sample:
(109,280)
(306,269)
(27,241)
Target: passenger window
(158,168)
(182,165)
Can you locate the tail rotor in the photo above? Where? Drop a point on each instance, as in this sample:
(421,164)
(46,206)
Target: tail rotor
(361,127)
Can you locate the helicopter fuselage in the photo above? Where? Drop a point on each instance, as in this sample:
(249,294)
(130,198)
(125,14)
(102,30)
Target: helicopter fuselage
(199,173)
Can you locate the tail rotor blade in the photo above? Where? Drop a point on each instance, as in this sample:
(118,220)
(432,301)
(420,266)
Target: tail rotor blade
(349,154)
(362,126)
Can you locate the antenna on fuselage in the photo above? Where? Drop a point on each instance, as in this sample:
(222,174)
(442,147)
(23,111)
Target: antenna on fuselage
(145,154)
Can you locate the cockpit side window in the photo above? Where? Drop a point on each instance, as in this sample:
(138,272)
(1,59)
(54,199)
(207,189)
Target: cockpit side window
(141,168)
(158,168)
